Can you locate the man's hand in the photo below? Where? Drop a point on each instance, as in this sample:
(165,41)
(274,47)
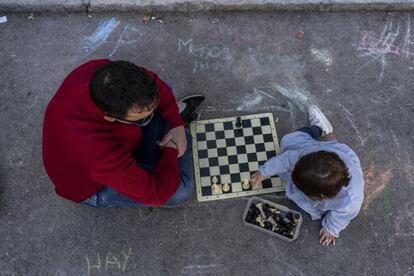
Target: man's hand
(177,136)
(256,179)
(170,145)
(326,238)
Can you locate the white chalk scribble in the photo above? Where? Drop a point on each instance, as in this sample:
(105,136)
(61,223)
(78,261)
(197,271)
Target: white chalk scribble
(100,35)
(250,102)
(128,36)
(393,40)
(206,57)
(323,56)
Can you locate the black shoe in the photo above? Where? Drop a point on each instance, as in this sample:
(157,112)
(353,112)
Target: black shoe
(188,105)
(191,118)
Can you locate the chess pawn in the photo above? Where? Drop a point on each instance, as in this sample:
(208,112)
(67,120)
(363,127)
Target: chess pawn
(238,122)
(226,187)
(246,184)
(214,180)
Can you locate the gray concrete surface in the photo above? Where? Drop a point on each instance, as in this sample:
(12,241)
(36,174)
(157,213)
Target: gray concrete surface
(202,5)
(357,66)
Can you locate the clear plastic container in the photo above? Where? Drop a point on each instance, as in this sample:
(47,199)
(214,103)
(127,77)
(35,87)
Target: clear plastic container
(255,200)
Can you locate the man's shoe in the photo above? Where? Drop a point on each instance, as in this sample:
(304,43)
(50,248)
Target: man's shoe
(191,118)
(188,105)
(317,118)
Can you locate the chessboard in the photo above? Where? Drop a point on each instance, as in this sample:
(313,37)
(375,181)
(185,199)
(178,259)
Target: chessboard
(228,151)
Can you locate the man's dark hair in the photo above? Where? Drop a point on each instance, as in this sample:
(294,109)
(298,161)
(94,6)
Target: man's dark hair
(119,86)
(320,174)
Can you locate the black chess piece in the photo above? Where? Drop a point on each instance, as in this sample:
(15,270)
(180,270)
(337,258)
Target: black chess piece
(249,217)
(289,216)
(267,211)
(254,210)
(238,122)
(296,217)
(268,226)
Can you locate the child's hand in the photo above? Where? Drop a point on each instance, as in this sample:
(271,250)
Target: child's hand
(256,179)
(326,238)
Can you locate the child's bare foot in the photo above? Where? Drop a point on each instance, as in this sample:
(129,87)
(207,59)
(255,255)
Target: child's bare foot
(317,118)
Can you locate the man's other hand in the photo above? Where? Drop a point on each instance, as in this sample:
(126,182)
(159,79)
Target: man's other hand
(177,136)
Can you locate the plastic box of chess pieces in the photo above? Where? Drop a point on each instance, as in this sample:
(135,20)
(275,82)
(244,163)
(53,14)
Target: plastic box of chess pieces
(283,209)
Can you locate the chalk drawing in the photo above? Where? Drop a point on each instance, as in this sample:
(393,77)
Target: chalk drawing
(375,182)
(33,104)
(3,19)
(287,70)
(250,102)
(210,108)
(111,262)
(284,268)
(207,269)
(287,94)
(128,36)
(206,58)
(111,259)
(101,34)
(349,117)
(392,41)
(295,93)
(272,57)
(260,99)
(205,263)
(404,224)
(323,56)
(258,90)
(373,229)
(378,176)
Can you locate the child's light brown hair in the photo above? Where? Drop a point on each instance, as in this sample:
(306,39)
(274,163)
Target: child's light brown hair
(320,174)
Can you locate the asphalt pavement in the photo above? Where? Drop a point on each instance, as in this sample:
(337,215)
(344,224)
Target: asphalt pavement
(357,67)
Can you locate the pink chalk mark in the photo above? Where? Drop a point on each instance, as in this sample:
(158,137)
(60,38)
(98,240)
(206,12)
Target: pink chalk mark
(373,45)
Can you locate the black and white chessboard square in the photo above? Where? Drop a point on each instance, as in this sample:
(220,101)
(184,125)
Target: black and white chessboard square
(234,154)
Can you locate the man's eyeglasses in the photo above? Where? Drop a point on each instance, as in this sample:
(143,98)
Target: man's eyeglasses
(141,122)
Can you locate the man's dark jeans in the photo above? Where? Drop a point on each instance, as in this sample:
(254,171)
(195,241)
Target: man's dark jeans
(147,155)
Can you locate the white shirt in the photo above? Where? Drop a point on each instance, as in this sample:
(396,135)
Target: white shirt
(340,209)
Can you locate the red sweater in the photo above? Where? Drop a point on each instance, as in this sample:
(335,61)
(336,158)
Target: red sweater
(82,151)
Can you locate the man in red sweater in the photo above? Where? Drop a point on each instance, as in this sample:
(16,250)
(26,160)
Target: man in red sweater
(113,135)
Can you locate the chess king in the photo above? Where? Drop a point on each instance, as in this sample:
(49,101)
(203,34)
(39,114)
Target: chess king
(114,135)
(323,177)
